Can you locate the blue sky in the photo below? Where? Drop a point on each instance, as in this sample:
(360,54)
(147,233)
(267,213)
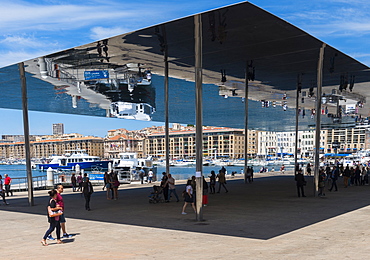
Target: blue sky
(33,28)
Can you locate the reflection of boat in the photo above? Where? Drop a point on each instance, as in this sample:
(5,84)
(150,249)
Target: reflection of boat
(133,76)
(70,160)
(127,167)
(126,110)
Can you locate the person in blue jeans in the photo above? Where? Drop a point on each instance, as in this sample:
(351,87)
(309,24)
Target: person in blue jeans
(54,213)
(334,177)
(171,188)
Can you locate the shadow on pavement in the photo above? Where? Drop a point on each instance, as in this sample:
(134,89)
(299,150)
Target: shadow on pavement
(267,208)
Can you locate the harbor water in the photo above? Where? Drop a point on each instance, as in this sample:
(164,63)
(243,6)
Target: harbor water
(179,173)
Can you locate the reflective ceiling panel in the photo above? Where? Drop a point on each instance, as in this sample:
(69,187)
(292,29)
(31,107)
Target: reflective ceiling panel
(123,76)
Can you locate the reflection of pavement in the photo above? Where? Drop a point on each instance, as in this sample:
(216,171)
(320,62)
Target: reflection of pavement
(263,220)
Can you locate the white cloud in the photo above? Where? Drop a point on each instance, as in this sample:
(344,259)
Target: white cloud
(26,16)
(17,41)
(99,32)
(12,57)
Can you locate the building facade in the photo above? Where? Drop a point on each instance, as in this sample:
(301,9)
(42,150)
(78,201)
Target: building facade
(43,149)
(217,142)
(58,129)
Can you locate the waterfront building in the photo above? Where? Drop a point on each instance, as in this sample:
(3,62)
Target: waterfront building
(46,148)
(121,143)
(58,129)
(217,142)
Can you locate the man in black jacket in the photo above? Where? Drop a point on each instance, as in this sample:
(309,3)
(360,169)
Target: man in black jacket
(87,190)
(299,178)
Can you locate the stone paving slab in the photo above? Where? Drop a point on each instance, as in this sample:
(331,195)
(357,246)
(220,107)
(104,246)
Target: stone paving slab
(263,220)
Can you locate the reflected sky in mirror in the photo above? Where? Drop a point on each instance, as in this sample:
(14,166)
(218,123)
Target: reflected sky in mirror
(122,76)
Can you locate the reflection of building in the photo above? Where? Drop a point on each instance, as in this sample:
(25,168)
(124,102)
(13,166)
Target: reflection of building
(126,110)
(266,143)
(346,140)
(124,91)
(58,129)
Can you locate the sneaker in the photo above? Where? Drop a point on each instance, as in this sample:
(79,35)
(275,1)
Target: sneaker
(184,213)
(67,235)
(50,238)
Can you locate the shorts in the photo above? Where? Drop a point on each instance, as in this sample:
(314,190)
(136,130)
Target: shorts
(189,199)
(62,219)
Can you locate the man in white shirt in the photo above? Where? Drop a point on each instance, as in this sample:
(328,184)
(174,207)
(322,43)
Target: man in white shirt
(150,175)
(171,188)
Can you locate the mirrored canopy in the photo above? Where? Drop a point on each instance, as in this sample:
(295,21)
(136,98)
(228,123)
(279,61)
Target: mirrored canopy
(122,76)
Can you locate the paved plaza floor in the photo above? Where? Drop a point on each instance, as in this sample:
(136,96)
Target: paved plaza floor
(262,220)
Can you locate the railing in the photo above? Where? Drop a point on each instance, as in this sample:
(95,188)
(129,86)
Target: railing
(20,183)
(40,182)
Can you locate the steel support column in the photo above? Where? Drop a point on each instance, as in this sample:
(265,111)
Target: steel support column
(166,98)
(246,90)
(299,82)
(26,133)
(199,116)
(318,117)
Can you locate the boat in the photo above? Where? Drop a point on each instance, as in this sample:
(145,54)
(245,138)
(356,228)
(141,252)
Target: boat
(128,165)
(184,163)
(71,159)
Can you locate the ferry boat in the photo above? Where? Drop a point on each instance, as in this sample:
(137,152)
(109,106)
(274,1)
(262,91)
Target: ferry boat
(128,165)
(71,159)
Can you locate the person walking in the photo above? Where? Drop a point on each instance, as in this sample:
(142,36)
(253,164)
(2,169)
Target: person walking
(74,182)
(308,169)
(2,192)
(221,181)
(54,212)
(141,175)
(189,198)
(60,202)
(334,177)
(7,182)
(212,182)
(105,179)
(87,190)
(109,185)
(300,181)
(171,188)
(164,185)
(205,192)
(357,175)
(321,184)
(346,176)
(79,182)
(115,185)
(150,175)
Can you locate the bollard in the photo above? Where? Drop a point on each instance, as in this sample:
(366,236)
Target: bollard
(50,178)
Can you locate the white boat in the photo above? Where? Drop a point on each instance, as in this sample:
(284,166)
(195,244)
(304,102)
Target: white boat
(128,165)
(184,163)
(71,159)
